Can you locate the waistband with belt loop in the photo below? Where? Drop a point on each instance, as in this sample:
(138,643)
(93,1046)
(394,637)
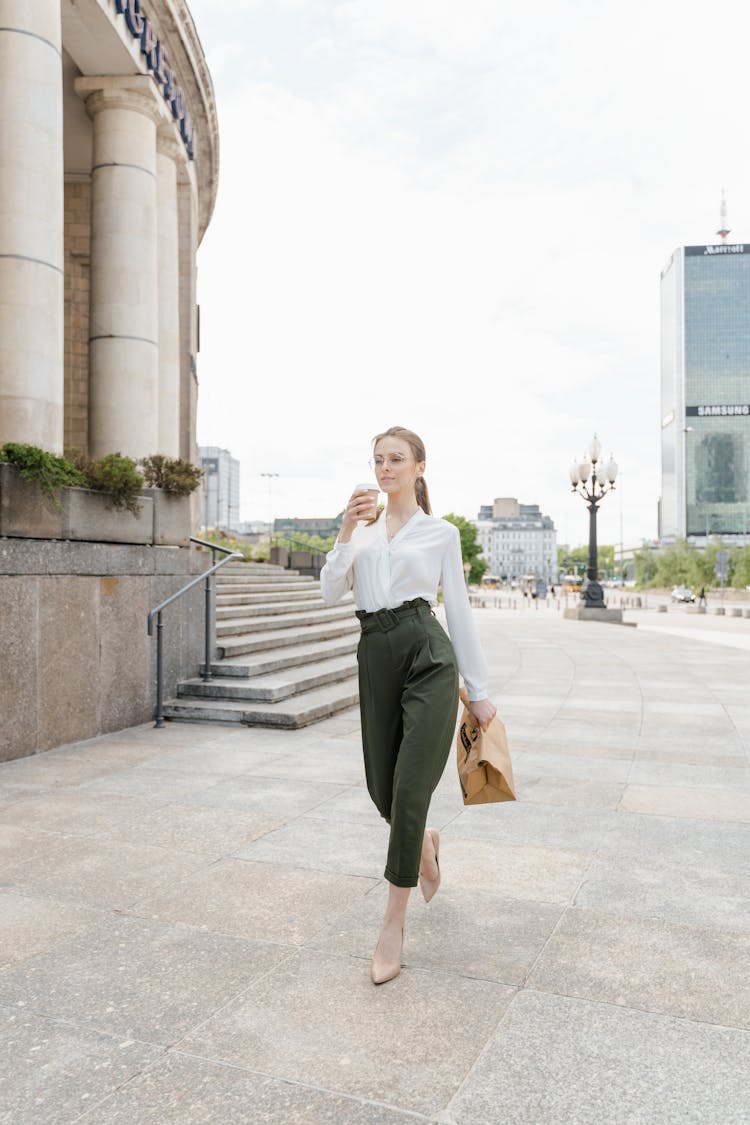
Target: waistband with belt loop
(385,619)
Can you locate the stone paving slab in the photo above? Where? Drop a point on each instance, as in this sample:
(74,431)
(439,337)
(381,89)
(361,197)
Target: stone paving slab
(110,873)
(601,1063)
(263,901)
(690,971)
(518,823)
(138,978)
(316,1020)
(51,1071)
(187,915)
(351,849)
(501,944)
(30,925)
(180,1089)
(692,803)
(73,813)
(644,886)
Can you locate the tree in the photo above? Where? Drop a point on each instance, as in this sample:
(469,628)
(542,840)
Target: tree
(739,567)
(470,549)
(578,559)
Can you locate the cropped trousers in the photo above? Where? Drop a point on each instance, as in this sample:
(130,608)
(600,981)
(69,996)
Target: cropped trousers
(408,698)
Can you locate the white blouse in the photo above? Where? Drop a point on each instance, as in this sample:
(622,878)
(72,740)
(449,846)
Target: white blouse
(424,553)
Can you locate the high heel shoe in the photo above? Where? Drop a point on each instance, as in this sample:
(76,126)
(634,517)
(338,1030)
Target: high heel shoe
(381,973)
(429,886)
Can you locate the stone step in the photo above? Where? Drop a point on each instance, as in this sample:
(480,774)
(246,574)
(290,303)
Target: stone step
(282,579)
(234,595)
(297,711)
(292,621)
(257,568)
(275,685)
(293,656)
(267,609)
(285,638)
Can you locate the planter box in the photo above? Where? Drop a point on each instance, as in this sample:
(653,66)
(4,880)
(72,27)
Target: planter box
(280,556)
(172,518)
(86,516)
(25,511)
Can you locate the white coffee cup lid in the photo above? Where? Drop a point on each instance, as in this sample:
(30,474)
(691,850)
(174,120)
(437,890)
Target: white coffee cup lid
(368,486)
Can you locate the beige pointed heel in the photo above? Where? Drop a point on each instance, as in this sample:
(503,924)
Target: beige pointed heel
(429,886)
(382,972)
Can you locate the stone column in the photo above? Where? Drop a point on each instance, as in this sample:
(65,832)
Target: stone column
(124,345)
(187,206)
(169,153)
(31,224)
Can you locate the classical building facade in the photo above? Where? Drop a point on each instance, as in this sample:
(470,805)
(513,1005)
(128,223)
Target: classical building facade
(705,393)
(108,176)
(517,540)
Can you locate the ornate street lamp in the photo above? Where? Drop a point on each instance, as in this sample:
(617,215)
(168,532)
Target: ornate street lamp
(592,479)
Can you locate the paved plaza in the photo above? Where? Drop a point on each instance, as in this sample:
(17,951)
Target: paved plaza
(187,916)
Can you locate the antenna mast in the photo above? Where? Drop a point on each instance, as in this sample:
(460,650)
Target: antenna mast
(723,230)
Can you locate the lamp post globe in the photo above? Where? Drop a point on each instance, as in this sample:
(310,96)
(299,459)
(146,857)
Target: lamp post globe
(592,479)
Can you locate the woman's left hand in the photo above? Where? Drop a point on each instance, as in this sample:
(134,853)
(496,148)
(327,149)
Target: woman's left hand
(484,711)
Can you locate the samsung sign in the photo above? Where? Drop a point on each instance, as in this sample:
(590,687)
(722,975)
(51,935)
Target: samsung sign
(732,411)
(140,28)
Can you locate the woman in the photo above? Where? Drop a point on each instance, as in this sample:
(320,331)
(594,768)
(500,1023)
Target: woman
(407,666)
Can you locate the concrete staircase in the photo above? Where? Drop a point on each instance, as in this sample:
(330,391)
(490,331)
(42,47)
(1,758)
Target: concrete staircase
(284,658)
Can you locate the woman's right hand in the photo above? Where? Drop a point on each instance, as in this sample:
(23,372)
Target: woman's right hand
(358,508)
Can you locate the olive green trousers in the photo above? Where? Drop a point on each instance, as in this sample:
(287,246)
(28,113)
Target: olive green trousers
(408,698)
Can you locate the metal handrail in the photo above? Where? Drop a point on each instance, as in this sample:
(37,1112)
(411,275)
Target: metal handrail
(155,615)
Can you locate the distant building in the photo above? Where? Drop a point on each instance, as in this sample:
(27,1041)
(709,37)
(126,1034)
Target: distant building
(517,540)
(220,504)
(324,526)
(705,392)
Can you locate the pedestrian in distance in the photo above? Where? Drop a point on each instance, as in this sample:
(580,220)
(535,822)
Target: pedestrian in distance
(393,559)
(702,596)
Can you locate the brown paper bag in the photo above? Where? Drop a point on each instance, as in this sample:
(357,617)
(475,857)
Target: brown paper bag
(484,767)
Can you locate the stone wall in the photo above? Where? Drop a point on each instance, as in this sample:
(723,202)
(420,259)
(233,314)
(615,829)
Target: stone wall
(77,295)
(75,658)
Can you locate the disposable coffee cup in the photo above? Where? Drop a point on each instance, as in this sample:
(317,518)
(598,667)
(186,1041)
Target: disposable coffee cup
(373,492)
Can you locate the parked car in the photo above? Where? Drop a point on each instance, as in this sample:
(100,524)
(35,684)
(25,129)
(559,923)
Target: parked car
(682,594)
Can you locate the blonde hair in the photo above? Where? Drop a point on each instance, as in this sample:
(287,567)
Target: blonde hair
(416,444)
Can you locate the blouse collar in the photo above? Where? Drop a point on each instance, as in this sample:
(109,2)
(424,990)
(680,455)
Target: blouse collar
(412,521)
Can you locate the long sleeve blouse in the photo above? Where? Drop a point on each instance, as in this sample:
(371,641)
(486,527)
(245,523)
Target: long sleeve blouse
(423,554)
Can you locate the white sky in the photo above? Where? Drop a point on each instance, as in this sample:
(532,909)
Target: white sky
(453,217)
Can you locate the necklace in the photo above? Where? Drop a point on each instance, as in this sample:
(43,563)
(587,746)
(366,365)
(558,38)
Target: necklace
(392,528)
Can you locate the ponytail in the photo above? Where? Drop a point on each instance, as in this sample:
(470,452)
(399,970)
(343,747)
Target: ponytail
(423,496)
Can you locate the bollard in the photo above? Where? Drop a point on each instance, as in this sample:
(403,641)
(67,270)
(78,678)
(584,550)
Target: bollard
(701,609)
(719,611)
(746,612)
(735,613)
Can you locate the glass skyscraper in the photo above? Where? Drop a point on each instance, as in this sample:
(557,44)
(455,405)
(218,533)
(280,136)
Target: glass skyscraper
(705,392)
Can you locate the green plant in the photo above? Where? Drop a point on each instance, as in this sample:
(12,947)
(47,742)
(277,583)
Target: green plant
(470,549)
(48,470)
(302,540)
(114,474)
(173,474)
(221,539)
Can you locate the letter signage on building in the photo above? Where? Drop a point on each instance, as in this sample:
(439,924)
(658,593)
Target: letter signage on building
(709,251)
(140,27)
(733,410)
